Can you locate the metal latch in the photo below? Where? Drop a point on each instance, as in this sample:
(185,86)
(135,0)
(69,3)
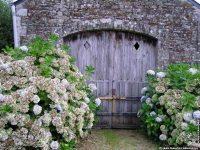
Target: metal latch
(113,97)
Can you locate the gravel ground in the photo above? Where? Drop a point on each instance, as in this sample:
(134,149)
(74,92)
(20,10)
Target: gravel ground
(115,139)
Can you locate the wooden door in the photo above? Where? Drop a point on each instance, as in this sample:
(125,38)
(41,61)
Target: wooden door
(121,60)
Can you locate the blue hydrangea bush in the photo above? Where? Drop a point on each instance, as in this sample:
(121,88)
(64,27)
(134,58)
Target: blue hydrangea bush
(170,104)
(45,102)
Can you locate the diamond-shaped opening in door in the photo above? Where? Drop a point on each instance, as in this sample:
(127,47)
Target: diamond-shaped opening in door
(137,46)
(87,45)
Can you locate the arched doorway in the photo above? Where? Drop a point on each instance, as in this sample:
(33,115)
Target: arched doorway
(121,60)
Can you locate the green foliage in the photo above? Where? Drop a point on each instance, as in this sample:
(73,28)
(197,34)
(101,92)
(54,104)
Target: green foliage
(89,71)
(40,47)
(71,78)
(53,37)
(68,146)
(180,76)
(188,102)
(192,129)
(72,60)
(44,100)
(15,53)
(6,31)
(5,109)
(66,48)
(45,67)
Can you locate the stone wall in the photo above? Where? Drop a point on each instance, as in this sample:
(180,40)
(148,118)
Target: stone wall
(174,23)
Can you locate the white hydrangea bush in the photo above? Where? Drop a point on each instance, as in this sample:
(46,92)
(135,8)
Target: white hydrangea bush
(171,104)
(45,102)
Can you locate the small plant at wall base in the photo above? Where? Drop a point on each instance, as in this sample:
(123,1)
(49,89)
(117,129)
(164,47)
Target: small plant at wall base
(170,105)
(45,102)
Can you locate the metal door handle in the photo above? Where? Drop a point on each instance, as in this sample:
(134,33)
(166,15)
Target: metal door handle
(112,98)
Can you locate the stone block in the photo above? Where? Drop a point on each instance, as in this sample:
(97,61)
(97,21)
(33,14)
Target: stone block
(23,31)
(22,12)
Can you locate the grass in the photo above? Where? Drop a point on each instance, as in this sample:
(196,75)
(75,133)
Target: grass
(113,139)
(110,137)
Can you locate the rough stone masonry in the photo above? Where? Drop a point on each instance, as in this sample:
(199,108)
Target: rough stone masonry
(174,23)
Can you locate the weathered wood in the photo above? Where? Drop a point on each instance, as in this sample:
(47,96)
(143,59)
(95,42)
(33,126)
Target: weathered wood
(119,67)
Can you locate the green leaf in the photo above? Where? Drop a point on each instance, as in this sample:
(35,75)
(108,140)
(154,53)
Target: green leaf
(188,101)
(66,48)
(48,60)
(67,145)
(45,70)
(90,69)
(71,78)
(53,37)
(5,109)
(72,60)
(15,53)
(40,47)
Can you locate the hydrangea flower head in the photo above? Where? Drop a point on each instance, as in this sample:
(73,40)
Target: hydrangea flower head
(5,65)
(148,100)
(87,100)
(187,116)
(158,119)
(37,109)
(193,71)
(2,97)
(54,145)
(184,125)
(90,126)
(160,74)
(35,99)
(143,98)
(160,89)
(24,48)
(196,114)
(163,137)
(143,90)
(97,102)
(3,135)
(198,98)
(59,108)
(151,72)
(23,93)
(65,83)
(153,113)
(92,87)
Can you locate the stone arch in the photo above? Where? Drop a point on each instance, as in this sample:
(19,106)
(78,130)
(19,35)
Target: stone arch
(110,24)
